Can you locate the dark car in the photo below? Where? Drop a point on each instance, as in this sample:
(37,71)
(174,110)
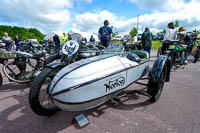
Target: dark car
(158,37)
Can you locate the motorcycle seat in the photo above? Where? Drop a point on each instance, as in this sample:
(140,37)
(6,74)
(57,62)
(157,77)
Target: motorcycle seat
(38,55)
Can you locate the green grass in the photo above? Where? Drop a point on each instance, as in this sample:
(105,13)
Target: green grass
(156,44)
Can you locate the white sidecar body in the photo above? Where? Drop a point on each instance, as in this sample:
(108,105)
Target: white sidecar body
(88,83)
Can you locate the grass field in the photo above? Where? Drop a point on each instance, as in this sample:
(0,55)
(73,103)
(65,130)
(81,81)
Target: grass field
(156,44)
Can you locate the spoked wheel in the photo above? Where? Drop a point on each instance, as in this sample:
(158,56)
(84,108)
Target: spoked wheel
(39,100)
(155,88)
(13,73)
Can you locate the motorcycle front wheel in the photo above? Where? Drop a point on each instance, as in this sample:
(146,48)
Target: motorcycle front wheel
(39,100)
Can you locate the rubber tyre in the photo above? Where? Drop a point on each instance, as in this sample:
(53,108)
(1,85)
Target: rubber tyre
(1,80)
(52,58)
(155,89)
(35,91)
(196,56)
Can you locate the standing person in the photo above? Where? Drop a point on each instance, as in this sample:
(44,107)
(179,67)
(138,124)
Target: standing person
(57,42)
(169,36)
(105,34)
(147,40)
(17,41)
(92,40)
(7,41)
(64,38)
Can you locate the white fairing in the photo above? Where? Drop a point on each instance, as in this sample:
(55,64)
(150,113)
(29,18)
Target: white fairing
(80,83)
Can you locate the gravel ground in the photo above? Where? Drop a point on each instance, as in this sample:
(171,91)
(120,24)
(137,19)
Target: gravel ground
(177,111)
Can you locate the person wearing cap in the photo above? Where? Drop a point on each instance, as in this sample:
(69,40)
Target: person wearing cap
(181,34)
(105,34)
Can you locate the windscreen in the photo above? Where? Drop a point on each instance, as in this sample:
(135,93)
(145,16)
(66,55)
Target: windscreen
(114,47)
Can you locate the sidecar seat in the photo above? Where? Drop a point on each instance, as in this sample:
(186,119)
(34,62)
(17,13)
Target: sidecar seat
(142,54)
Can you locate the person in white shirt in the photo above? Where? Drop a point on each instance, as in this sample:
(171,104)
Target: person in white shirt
(170,35)
(7,40)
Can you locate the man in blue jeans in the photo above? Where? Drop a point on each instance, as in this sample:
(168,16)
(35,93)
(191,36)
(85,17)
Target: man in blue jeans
(147,40)
(105,34)
(17,41)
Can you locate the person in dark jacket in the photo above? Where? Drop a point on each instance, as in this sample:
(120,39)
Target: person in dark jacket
(190,41)
(57,42)
(17,41)
(92,40)
(105,34)
(147,40)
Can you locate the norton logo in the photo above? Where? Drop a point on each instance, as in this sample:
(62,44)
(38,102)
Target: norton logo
(114,84)
(70,47)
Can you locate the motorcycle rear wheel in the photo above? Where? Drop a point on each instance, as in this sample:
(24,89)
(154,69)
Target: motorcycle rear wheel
(11,71)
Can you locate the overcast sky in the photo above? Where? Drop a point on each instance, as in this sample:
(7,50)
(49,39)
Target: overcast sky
(88,15)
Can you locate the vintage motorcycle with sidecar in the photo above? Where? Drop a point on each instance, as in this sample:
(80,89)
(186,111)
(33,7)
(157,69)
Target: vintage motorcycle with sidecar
(90,82)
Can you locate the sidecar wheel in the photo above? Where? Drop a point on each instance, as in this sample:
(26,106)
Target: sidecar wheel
(155,88)
(44,106)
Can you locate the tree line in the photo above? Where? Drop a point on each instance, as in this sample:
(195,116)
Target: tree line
(23,33)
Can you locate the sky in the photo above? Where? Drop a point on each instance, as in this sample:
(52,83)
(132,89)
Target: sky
(88,15)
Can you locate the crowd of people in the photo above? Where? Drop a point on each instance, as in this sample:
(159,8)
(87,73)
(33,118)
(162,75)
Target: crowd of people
(17,42)
(105,37)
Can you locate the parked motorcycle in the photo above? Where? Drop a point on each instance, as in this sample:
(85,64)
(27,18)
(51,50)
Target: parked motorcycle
(22,67)
(72,52)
